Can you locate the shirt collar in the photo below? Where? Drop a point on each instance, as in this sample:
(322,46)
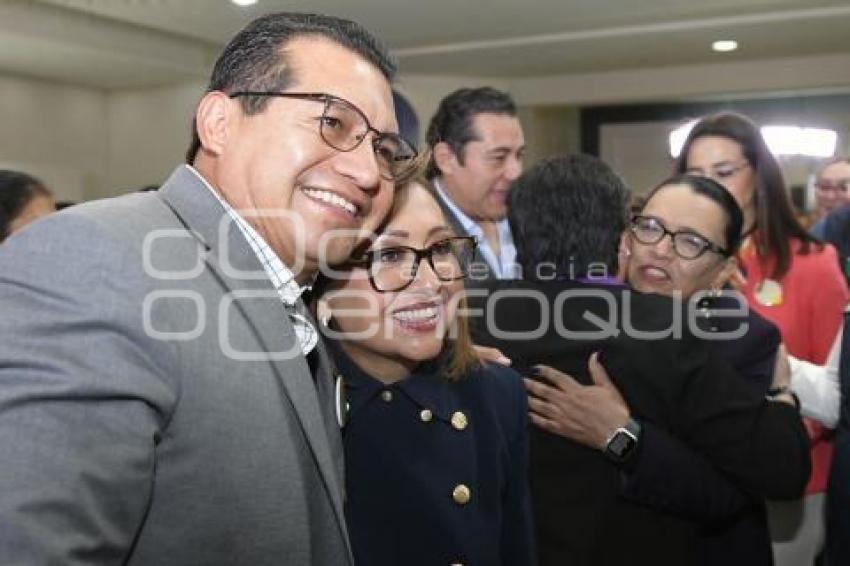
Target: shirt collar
(426,387)
(280,275)
(466,222)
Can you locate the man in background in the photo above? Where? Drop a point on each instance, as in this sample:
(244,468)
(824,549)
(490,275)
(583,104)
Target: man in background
(832,191)
(477,148)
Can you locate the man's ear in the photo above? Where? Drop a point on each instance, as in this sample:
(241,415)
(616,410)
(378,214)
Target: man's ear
(445,158)
(212,120)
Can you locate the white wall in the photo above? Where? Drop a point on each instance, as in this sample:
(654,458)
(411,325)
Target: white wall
(55,132)
(149,132)
(89,143)
(800,74)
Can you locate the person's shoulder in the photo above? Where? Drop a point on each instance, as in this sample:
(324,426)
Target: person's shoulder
(91,226)
(123,215)
(492,380)
(820,262)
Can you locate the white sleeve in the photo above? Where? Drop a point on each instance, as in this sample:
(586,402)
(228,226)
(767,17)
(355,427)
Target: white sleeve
(818,387)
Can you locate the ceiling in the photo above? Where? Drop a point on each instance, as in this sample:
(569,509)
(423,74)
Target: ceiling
(113,44)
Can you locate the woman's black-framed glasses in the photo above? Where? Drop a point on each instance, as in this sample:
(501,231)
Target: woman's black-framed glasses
(394,268)
(687,244)
(343,127)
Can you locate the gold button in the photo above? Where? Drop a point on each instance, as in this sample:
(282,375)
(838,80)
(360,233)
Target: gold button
(426,415)
(461,494)
(387,395)
(459,421)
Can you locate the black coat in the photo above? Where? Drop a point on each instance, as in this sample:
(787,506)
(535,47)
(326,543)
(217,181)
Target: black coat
(675,386)
(403,469)
(838,490)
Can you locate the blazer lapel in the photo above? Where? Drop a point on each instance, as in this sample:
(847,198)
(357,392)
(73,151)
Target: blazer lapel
(231,258)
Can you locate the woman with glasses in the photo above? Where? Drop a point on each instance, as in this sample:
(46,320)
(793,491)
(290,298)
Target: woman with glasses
(683,240)
(789,278)
(435,442)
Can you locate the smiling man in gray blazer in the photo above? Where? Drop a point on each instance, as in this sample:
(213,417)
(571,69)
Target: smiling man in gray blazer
(163,397)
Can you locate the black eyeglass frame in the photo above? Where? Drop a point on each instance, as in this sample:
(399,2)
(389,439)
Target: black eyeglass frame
(842,186)
(709,245)
(327,99)
(366,260)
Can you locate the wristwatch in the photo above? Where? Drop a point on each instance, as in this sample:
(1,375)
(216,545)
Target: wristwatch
(622,445)
(774,392)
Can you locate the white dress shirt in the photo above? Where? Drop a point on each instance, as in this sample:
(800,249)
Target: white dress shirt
(818,387)
(281,277)
(503,266)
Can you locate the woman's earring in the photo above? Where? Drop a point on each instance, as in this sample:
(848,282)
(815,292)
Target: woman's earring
(325,319)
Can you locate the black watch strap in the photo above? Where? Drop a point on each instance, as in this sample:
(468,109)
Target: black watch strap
(622,445)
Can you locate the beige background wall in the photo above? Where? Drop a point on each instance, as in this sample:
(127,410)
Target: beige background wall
(148,133)
(89,143)
(57,132)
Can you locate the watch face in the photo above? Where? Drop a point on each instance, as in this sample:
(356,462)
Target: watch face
(621,445)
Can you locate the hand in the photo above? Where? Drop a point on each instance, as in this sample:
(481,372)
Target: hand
(588,414)
(494,355)
(781,369)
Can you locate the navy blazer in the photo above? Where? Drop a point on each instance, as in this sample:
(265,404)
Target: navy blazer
(838,490)
(436,470)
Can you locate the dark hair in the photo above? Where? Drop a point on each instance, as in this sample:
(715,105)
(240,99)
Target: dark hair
(405,115)
(569,211)
(452,123)
(775,220)
(255,60)
(16,191)
(716,192)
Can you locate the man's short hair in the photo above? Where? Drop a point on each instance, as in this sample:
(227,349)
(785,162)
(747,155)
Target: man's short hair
(255,59)
(568,212)
(452,122)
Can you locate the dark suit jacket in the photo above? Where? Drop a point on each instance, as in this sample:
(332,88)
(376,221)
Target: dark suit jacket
(154,405)
(679,385)
(741,537)
(402,470)
(838,491)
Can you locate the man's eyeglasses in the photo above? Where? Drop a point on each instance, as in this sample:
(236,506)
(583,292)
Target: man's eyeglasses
(841,186)
(720,172)
(343,126)
(395,268)
(687,245)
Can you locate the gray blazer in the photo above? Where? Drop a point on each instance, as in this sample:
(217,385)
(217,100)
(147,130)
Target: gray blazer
(140,422)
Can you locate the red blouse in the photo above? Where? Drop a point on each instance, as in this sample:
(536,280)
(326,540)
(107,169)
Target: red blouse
(807,308)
